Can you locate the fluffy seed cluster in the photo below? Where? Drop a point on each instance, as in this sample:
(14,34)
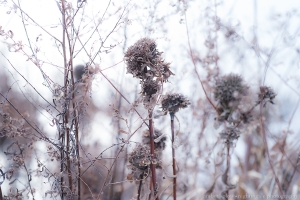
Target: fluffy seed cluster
(266,95)
(140,160)
(229,90)
(159,140)
(144,61)
(173,102)
(229,135)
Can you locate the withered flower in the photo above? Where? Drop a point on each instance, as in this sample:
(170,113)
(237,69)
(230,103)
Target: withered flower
(140,160)
(266,95)
(150,92)
(144,61)
(229,90)
(230,134)
(173,102)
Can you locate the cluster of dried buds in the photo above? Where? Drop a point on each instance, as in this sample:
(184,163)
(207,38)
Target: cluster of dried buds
(173,102)
(144,61)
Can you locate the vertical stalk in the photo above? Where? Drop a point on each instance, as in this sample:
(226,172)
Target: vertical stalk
(228,168)
(1,196)
(140,186)
(65,118)
(173,156)
(152,153)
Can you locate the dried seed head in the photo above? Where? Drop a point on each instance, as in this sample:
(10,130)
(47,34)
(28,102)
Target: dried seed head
(230,134)
(229,90)
(140,160)
(140,157)
(159,140)
(173,102)
(150,92)
(266,95)
(142,57)
(144,61)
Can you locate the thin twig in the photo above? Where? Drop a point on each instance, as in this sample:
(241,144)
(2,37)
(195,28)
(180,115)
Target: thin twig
(27,173)
(65,118)
(109,170)
(28,82)
(37,23)
(193,61)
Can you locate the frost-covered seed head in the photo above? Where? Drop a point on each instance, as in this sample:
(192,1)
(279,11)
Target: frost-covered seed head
(173,102)
(229,90)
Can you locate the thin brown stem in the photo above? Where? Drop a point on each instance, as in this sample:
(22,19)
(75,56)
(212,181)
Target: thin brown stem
(152,167)
(194,64)
(173,156)
(66,118)
(228,167)
(140,187)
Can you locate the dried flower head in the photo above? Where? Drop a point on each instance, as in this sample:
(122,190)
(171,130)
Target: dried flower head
(266,95)
(230,134)
(144,61)
(229,90)
(159,140)
(150,92)
(173,102)
(140,160)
